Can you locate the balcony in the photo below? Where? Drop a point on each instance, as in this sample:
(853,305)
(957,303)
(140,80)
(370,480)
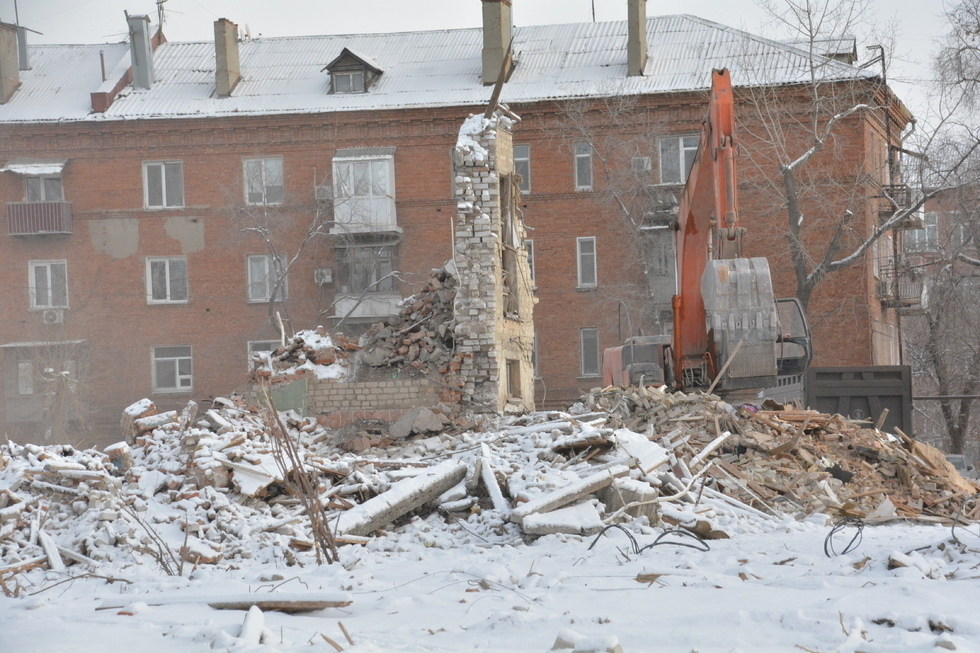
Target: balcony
(899,287)
(897,197)
(35,218)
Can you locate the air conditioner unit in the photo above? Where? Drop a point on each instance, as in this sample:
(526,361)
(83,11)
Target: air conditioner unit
(53,316)
(323,193)
(322,276)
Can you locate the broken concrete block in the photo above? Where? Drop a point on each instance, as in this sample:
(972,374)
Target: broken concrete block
(624,491)
(580,519)
(151,422)
(569,493)
(121,456)
(402,428)
(427,421)
(133,412)
(404,496)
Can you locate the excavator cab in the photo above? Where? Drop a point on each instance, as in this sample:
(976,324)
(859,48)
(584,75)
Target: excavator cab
(793,345)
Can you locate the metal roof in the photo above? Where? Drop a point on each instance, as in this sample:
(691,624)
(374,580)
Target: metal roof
(421,69)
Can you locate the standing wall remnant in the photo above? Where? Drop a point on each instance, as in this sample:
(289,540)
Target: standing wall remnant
(494,304)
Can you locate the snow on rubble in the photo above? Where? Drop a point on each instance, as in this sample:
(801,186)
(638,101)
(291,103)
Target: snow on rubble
(620,524)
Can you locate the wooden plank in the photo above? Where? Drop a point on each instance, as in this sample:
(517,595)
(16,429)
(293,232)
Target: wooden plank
(266,601)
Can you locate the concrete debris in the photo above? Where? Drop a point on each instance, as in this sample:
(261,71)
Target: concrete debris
(216,488)
(308,352)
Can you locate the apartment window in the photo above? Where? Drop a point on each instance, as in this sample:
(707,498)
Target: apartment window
(25,377)
(44,189)
(590,351)
(364,191)
(260,347)
(172,369)
(163,184)
(348,82)
(366,269)
(583,166)
(529,246)
(166,280)
(677,157)
(586,262)
(263,181)
(262,277)
(925,239)
(48,284)
(522,166)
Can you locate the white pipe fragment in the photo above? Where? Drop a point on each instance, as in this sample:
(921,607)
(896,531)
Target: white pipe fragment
(252,627)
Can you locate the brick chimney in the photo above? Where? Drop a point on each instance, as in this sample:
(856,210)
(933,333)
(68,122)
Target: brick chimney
(227,70)
(141,51)
(636,40)
(9,64)
(498,27)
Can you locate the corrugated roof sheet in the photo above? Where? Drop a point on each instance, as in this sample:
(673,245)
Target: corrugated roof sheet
(421,69)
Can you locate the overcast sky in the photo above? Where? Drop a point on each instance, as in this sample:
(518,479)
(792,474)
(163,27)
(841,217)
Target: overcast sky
(917,22)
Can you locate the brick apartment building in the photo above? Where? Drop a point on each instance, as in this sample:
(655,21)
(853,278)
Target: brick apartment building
(134,175)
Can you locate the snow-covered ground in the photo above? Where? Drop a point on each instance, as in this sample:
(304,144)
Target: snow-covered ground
(474,585)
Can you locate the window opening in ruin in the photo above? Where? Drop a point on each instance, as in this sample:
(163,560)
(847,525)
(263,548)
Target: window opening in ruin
(44,189)
(263,181)
(25,377)
(587,277)
(262,277)
(163,184)
(583,166)
(589,340)
(166,280)
(172,369)
(509,191)
(48,284)
(529,247)
(676,158)
(514,379)
(522,166)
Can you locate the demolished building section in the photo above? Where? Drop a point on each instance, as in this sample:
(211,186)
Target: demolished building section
(494,302)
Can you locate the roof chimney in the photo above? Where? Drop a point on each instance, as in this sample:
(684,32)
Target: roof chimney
(141,51)
(498,27)
(23,60)
(9,65)
(227,71)
(636,40)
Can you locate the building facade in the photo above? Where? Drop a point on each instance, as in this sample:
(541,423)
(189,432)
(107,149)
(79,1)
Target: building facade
(170,205)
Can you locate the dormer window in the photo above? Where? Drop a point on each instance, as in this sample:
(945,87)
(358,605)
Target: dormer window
(352,82)
(352,73)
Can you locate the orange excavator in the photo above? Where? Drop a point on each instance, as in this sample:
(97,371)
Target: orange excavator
(730,334)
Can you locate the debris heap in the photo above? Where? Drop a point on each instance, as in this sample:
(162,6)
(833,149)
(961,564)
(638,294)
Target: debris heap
(211,486)
(312,351)
(421,334)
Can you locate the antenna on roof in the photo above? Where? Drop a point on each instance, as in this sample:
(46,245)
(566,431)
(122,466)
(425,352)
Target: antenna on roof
(160,13)
(593,11)
(248,32)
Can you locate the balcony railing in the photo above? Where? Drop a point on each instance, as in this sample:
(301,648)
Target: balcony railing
(33,218)
(899,287)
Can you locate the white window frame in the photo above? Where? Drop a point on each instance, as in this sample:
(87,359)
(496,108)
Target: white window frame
(43,188)
(587,262)
(260,346)
(49,289)
(594,333)
(925,240)
(350,76)
(270,279)
(687,144)
(363,213)
(179,378)
(522,166)
(582,152)
(164,184)
(266,179)
(641,166)
(168,260)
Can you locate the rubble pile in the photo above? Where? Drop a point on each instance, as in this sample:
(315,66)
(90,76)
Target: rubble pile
(311,351)
(213,487)
(798,460)
(421,334)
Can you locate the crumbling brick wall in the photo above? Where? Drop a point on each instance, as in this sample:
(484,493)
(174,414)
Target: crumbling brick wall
(330,396)
(494,305)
